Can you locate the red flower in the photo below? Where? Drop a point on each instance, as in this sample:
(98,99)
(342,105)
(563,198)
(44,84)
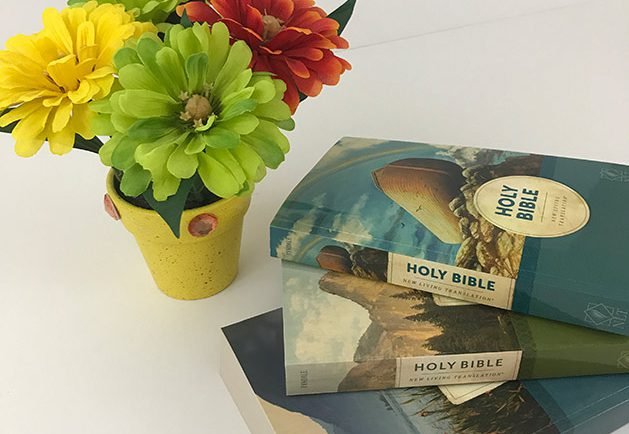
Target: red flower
(291,38)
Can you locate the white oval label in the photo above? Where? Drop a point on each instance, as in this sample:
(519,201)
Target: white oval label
(532,206)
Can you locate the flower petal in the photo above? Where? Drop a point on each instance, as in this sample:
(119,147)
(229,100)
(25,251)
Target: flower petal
(26,147)
(170,65)
(123,156)
(266,148)
(62,72)
(143,104)
(298,68)
(282,9)
(81,121)
(32,125)
(227,159)
(18,113)
(62,116)
(135,181)
(264,89)
(84,93)
(137,76)
(275,109)
(181,164)
(196,70)
(243,124)
(57,30)
(217,178)
(250,161)
(219,138)
(152,129)
(238,108)
(198,11)
(307,53)
(164,183)
(195,145)
(219,48)
(125,56)
(61,142)
(237,61)
(108,149)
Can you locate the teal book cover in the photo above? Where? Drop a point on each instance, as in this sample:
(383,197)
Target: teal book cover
(540,235)
(252,367)
(343,333)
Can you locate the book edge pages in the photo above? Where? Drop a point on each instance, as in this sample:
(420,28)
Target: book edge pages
(458,394)
(241,391)
(406,374)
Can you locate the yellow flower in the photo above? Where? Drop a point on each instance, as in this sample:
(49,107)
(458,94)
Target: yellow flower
(47,79)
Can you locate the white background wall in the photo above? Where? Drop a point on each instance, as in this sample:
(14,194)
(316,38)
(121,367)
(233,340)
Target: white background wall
(90,345)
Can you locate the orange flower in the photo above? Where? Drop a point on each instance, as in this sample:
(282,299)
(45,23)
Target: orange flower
(293,39)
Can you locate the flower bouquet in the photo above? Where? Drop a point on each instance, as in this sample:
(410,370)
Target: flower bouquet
(190,98)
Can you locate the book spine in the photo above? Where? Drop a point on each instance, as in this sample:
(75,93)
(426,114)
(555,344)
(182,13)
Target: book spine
(403,372)
(411,272)
(560,350)
(285,245)
(308,379)
(575,361)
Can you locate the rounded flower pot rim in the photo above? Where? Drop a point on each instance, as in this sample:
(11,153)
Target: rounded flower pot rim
(208,207)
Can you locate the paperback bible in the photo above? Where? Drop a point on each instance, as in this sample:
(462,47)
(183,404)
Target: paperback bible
(252,368)
(540,235)
(343,333)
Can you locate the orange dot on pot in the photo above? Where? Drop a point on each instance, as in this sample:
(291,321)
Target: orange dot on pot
(202,225)
(110,208)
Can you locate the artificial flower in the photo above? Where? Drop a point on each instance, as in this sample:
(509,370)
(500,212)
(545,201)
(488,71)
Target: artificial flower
(155,11)
(293,39)
(191,105)
(48,79)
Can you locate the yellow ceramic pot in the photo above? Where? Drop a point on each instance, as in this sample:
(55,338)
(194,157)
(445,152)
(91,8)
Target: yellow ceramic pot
(203,261)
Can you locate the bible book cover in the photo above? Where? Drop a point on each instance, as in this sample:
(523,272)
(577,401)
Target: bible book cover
(252,368)
(540,235)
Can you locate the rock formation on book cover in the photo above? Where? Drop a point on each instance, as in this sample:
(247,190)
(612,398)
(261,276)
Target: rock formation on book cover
(347,333)
(407,323)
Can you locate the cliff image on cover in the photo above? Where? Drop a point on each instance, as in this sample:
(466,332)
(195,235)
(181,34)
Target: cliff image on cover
(343,333)
(252,368)
(540,235)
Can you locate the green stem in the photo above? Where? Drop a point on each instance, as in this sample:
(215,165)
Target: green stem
(92,145)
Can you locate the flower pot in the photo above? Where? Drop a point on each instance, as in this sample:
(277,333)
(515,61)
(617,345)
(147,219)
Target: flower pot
(203,261)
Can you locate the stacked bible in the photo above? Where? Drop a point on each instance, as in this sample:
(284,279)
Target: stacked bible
(441,289)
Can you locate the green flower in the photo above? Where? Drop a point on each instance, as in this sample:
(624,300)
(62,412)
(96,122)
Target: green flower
(190,105)
(144,10)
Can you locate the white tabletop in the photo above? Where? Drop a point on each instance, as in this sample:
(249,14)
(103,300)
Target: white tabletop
(89,345)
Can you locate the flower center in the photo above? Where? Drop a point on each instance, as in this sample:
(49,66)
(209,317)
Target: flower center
(197,109)
(272,26)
